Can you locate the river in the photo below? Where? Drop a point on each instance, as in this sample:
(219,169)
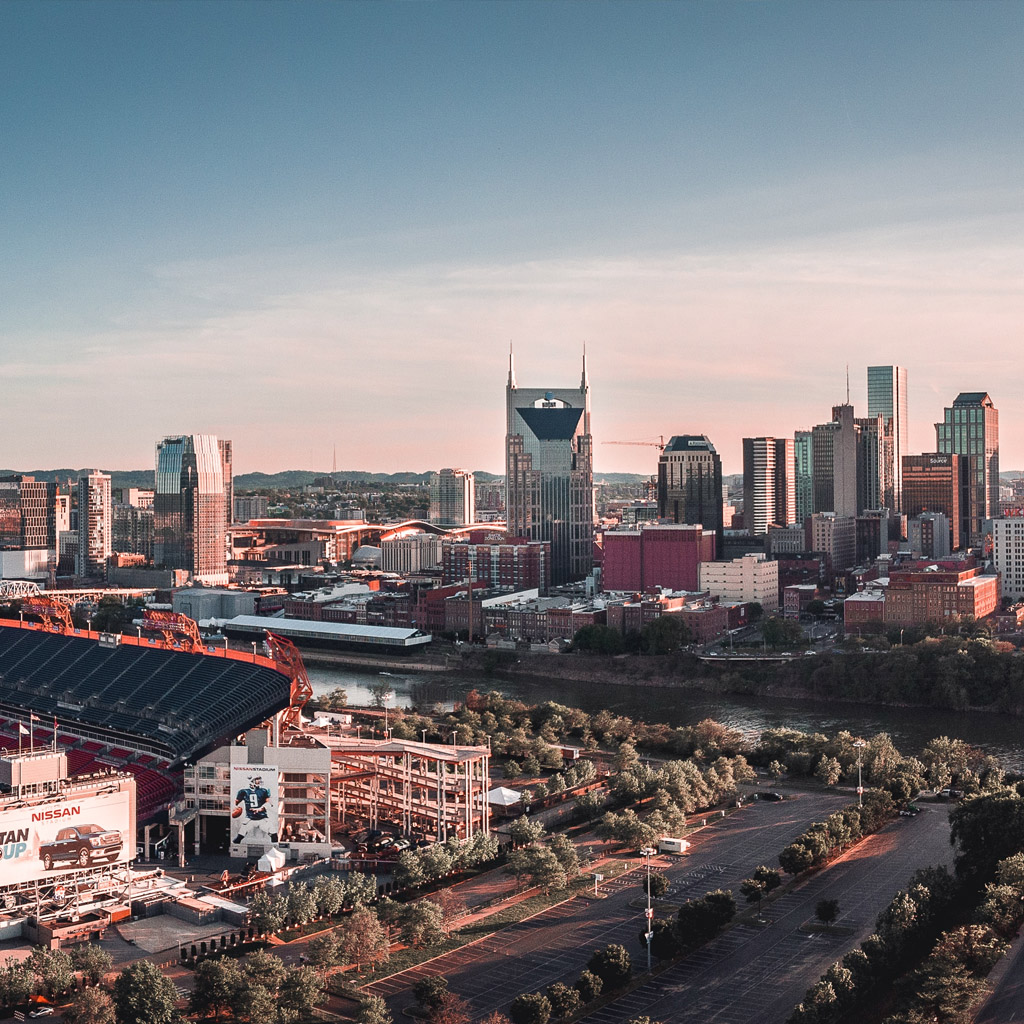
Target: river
(910,728)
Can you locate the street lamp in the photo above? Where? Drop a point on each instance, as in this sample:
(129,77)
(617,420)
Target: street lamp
(648,852)
(860,745)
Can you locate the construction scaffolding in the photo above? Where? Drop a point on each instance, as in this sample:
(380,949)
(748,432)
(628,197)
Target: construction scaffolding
(422,789)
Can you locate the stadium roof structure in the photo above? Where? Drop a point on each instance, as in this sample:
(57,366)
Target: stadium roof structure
(176,702)
(337,632)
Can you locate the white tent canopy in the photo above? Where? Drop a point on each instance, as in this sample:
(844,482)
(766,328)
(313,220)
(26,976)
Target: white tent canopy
(503,797)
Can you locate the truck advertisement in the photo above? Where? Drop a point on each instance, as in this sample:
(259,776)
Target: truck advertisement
(47,840)
(254,809)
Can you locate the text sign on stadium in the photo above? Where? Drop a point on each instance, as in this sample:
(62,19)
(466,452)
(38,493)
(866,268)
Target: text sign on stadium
(47,840)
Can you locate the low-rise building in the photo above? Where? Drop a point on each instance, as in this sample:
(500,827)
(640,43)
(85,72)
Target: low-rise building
(750,578)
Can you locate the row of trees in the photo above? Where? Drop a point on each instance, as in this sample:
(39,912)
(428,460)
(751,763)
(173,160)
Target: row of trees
(608,970)
(435,861)
(823,838)
(51,972)
(302,903)
(943,934)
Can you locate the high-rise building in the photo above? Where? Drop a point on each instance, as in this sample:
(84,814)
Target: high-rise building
(804,463)
(1008,554)
(95,524)
(250,506)
(452,498)
(190,515)
(28,533)
(887,397)
(769,483)
(971,428)
(834,455)
(133,531)
(836,537)
(690,484)
(938,482)
(873,447)
(227,470)
(549,472)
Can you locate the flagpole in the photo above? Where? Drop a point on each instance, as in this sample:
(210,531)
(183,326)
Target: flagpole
(20,727)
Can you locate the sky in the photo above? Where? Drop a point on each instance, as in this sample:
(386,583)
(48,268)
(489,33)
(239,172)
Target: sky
(308,226)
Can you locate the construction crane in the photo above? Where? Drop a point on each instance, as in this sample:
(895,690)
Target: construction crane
(659,444)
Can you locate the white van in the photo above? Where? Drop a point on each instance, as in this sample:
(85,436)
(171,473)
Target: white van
(668,844)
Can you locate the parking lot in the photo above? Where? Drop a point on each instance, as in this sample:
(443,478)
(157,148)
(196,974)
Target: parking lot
(556,944)
(753,974)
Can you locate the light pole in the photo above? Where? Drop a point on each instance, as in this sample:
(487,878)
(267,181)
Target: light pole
(648,852)
(860,745)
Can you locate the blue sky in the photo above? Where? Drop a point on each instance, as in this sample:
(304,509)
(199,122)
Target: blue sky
(301,225)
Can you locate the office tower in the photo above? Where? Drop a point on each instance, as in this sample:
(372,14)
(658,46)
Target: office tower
(28,536)
(928,535)
(971,428)
(872,534)
(95,524)
(804,469)
(938,482)
(690,484)
(834,454)
(873,450)
(452,498)
(549,472)
(190,517)
(769,484)
(836,537)
(887,397)
(133,531)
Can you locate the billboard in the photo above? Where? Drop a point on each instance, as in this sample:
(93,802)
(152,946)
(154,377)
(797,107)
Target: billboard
(254,808)
(45,841)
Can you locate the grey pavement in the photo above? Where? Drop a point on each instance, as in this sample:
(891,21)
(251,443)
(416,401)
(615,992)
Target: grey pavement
(753,975)
(556,944)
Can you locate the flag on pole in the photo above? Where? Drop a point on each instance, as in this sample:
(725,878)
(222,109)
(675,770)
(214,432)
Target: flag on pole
(33,717)
(22,731)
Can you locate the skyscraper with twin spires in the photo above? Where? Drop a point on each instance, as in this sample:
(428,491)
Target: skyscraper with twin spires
(549,472)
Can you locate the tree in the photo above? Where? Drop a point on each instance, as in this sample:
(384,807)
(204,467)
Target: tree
(300,992)
(301,903)
(54,969)
(381,693)
(409,870)
(665,634)
(829,771)
(324,952)
(265,969)
(770,876)
(362,940)
(597,640)
(816,608)
(334,700)
(776,769)
(373,1010)
(827,911)
(627,758)
(93,1006)
(656,884)
(92,960)
(664,941)
(539,865)
(754,891)
(452,907)
(781,632)
(436,861)
(429,991)
(796,858)
(268,911)
(754,611)
(217,984)
(565,853)
(16,981)
(523,831)
(530,1008)
(421,924)
(589,986)
(255,1003)
(612,964)
(142,995)
(564,999)
(452,1010)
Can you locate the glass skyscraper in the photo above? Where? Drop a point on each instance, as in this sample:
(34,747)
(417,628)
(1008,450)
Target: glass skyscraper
(190,506)
(971,428)
(887,397)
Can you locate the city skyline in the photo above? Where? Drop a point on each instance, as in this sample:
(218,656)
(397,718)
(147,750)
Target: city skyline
(325,213)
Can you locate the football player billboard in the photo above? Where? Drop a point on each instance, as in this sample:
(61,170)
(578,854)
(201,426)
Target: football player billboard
(254,808)
(48,840)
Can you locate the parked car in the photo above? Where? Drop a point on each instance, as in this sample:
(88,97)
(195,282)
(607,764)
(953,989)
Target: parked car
(82,844)
(770,796)
(41,1011)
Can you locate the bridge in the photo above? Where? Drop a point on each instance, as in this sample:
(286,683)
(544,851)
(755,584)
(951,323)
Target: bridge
(18,590)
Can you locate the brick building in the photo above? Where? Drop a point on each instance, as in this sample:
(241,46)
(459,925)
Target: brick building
(667,556)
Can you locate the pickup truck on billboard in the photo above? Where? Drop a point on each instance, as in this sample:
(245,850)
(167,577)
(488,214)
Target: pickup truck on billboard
(81,845)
